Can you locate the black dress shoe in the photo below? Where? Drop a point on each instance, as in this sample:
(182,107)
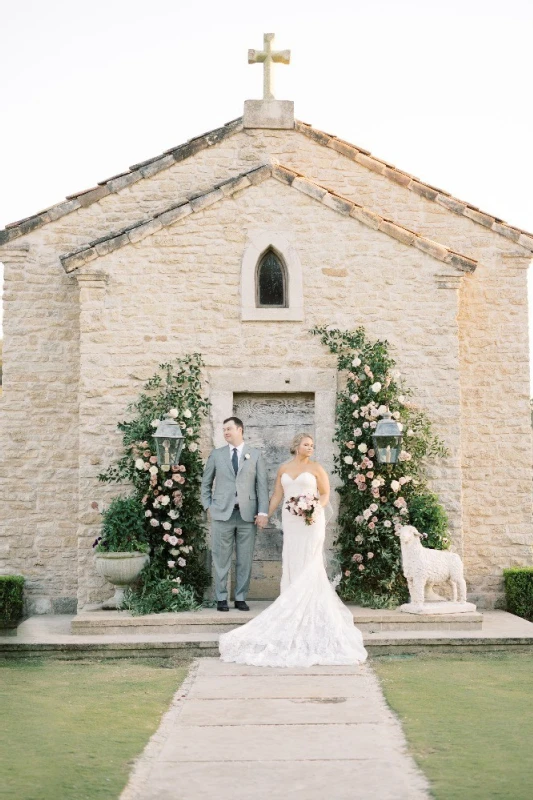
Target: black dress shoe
(241,605)
(222,605)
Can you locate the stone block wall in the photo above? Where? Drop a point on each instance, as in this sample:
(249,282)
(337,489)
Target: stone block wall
(178,291)
(42,361)
(39,430)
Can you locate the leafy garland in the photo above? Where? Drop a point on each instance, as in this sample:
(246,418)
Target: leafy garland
(170,501)
(376,500)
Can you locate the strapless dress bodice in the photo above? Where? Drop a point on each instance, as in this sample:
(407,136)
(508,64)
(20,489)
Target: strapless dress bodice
(304,483)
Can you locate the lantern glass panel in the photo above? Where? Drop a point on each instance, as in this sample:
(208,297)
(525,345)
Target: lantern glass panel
(388,449)
(169,443)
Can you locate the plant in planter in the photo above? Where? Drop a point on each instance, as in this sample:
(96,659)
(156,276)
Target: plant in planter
(11,600)
(122,549)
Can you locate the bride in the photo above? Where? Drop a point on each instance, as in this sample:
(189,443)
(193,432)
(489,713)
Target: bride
(307,624)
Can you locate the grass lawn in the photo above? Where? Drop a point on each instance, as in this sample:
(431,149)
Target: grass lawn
(70,730)
(468,720)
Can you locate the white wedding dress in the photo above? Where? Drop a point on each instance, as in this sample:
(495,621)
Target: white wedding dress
(308,624)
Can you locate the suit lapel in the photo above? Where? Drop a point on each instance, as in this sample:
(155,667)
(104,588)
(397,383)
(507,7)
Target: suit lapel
(243,459)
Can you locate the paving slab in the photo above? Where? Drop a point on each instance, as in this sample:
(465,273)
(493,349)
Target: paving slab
(258,686)
(273,737)
(284,780)
(222,668)
(276,711)
(281,742)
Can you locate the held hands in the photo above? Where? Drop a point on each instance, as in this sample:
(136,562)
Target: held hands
(261,520)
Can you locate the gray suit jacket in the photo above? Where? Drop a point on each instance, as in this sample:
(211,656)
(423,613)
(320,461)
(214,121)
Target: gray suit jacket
(250,484)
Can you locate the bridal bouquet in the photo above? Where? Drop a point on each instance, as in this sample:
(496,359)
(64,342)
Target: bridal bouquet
(303,505)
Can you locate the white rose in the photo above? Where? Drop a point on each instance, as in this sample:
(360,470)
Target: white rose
(167,526)
(153,470)
(139,464)
(396,415)
(354,398)
(164,499)
(147,513)
(348,460)
(357,432)
(376,482)
(367,513)
(395,486)
(187,413)
(173,514)
(382,410)
(173,413)
(155,422)
(356,362)
(376,387)
(373,425)
(193,447)
(181,562)
(154,523)
(355,414)
(387,523)
(362,447)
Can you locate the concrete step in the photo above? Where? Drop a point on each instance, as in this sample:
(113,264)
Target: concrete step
(50,636)
(209,620)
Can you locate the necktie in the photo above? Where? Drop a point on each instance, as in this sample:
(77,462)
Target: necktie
(235,460)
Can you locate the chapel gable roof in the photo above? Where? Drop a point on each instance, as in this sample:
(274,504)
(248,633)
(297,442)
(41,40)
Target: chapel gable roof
(144,169)
(327,197)
(408,181)
(152,166)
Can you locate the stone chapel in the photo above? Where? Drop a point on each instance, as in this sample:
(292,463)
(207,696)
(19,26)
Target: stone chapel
(235,244)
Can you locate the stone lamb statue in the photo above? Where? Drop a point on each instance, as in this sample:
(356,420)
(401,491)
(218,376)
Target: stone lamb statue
(424,567)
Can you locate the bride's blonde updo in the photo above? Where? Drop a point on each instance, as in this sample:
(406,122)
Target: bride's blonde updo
(298,439)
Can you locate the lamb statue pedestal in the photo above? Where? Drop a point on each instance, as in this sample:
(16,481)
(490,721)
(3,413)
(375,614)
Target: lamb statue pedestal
(424,568)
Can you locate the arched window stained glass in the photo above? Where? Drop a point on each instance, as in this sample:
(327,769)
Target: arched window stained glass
(271,281)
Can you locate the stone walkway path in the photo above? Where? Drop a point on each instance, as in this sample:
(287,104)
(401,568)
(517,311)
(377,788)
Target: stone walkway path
(249,733)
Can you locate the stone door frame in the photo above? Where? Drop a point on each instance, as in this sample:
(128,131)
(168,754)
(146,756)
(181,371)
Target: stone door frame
(322,383)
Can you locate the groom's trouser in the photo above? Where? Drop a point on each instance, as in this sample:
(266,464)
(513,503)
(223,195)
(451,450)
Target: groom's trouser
(225,534)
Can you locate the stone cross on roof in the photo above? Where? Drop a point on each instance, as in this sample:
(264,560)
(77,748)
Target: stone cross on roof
(267,57)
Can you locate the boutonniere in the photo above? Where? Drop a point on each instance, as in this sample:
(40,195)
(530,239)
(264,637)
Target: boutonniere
(247,456)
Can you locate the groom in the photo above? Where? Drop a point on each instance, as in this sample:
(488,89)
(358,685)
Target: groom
(237,503)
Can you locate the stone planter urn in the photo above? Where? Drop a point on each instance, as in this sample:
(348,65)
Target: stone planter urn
(120,569)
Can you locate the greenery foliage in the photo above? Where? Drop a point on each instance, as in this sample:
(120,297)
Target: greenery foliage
(377,500)
(172,513)
(11,600)
(519,591)
(123,529)
(157,594)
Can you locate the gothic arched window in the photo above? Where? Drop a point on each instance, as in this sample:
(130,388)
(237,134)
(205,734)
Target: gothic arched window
(271,282)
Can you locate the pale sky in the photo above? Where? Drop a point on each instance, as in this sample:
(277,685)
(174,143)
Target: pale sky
(440,88)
